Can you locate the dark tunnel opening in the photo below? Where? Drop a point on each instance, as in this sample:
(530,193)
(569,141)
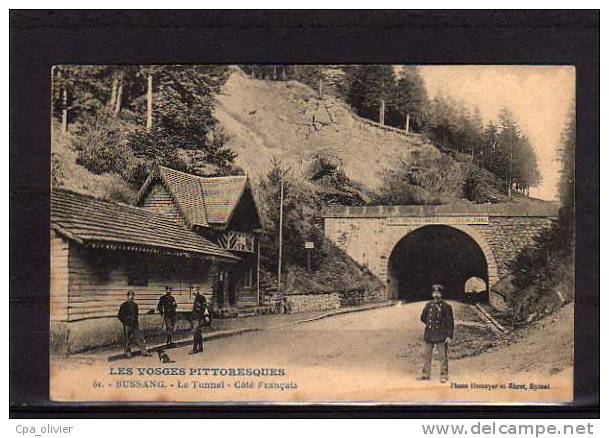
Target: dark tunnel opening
(435,254)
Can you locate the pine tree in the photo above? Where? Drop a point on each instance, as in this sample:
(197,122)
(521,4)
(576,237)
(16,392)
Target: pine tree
(410,98)
(79,91)
(544,271)
(371,90)
(566,186)
(181,115)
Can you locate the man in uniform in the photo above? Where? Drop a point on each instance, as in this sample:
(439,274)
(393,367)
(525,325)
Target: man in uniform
(200,318)
(128,314)
(439,328)
(167,308)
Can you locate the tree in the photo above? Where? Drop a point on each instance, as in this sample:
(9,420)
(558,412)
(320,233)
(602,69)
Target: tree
(566,186)
(476,135)
(299,216)
(371,90)
(515,158)
(78,91)
(441,122)
(410,98)
(180,100)
(507,139)
(544,271)
(312,75)
(526,170)
(488,146)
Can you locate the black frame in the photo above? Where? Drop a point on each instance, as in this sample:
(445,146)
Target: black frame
(39,39)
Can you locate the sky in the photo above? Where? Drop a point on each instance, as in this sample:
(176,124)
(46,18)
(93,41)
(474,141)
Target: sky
(540,98)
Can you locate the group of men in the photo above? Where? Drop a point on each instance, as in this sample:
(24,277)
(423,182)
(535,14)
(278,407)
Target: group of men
(437,316)
(200,317)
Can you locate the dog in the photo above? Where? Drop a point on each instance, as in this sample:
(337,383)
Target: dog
(164,357)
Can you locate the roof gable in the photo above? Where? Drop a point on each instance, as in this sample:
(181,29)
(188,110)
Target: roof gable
(185,191)
(222,194)
(203,201)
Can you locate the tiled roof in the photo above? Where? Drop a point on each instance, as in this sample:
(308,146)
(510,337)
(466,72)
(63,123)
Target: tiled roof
(98,223)
(186,191)
(221,196)
(202,200)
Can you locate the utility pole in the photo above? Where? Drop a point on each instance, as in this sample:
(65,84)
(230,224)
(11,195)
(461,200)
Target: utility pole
(382,112)
(308,260)
(280,234)
(511,159)
(258,270)
(407,122)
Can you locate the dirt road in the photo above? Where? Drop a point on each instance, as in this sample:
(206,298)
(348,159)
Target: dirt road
(373,355)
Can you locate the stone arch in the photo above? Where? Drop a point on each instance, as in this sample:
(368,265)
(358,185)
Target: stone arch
(469,231)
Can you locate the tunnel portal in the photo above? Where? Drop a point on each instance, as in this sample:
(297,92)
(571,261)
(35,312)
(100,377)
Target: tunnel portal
(435,254)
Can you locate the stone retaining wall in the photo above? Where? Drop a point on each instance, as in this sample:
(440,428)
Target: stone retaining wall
(312,302)
(334,300)
(356,297)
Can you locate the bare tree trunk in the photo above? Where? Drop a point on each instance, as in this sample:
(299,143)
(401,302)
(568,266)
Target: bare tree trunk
(119,97)
(149,104)
(64,111)
(510,174)
(114,92)
(407,122)
(382,112)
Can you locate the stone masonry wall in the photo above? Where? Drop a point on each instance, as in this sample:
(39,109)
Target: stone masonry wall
(507,236)
(370,240)
(355,297)
(334,300)
(312,302)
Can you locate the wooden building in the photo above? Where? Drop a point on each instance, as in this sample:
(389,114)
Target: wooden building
(185,231)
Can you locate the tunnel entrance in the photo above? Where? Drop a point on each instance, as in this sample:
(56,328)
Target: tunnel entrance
(435,254)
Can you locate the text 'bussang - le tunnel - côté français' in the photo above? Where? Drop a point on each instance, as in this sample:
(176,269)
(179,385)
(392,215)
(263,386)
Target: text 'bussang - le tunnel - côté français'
(438,254)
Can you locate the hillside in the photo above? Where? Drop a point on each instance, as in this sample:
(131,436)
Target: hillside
(266,119)
(514,357)
(70,175)
(288,120)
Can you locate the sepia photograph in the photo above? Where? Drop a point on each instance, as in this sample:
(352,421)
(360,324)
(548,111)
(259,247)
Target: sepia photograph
(312,233)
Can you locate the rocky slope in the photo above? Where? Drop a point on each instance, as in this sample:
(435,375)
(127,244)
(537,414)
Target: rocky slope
(288,120)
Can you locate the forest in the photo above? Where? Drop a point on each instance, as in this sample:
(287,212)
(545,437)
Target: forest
(396,96)
(122,120)
(165,113)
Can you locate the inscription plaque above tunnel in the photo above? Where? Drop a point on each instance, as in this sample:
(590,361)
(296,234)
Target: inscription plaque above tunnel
(439,220)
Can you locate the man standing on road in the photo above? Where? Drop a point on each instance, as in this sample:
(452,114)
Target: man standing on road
(167,308)
(129,316)
(439,328)
(200,318)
